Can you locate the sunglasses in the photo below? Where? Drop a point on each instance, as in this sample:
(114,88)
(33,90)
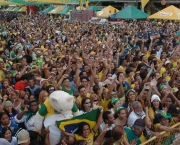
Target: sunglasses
(96,100)
(87,102)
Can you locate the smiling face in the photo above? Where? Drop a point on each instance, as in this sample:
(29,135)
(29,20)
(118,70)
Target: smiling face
(86,131)
(8,135)
(156,104)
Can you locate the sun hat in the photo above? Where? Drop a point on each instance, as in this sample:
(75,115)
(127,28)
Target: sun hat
(23,136)
(155,97)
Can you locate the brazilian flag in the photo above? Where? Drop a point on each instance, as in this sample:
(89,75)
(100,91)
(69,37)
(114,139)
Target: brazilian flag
(71,125)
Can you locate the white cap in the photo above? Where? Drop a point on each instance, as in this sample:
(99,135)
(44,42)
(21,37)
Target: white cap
(155,97)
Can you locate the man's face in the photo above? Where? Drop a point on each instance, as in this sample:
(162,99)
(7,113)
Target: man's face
(138,131)
(34,107)
(138,109)
(83,92)
(31,83)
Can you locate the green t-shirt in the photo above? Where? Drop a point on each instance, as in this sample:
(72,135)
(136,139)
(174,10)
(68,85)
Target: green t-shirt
(70,91)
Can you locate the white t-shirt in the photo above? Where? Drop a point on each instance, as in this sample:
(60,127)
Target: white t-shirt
(14,141)
(133,117)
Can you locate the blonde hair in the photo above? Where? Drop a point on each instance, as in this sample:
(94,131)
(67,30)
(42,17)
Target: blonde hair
(41,96)
(93,97)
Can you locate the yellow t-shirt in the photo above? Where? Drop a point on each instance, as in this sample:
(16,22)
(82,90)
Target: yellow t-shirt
(104,104)
(2,75)
(151,113)
(100,75)
(89,139)
(123,69)
(80,99)
(147,54)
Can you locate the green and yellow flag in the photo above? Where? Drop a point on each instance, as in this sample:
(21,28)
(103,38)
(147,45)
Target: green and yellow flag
(71,125)
(143,3)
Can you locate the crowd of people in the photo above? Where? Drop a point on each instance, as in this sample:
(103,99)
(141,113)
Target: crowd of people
(131,71)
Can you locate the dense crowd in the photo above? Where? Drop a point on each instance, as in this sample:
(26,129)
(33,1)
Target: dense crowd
(128,70)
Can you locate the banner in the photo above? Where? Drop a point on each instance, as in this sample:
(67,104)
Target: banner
(71,125)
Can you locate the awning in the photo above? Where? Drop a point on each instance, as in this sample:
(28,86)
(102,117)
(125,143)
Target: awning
(106,12)
(48,9)
(56,10)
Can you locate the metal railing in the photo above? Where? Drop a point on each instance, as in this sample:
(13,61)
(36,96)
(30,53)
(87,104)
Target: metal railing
(172,139)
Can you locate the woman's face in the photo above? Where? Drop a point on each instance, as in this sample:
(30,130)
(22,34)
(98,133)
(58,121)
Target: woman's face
(131,96)
(122,114)
(86,131)
(9,90)
(168,102)
(5,84)
(9,109)
(14,96)
(8,135)
(156,104)
(165,121)
(31,98)
(4,120)
(87,105)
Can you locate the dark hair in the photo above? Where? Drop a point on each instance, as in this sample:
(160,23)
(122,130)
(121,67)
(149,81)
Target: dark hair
(27,90)
(81,78)
(127,94)
(108,141)
(2,114)
(80,87)
(96,89)
(26,76)
(4,129)
(117,132)
(128,70)
(80,128)
(119,74)
(33,101)
(105,115)
(82,103)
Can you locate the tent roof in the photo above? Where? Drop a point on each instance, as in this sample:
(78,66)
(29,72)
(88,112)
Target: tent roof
(48,9)
(169,13)
(23,9)
(65,10)
(104,13)
(94,8)
(80,8)
(56,10)
(16,9)
(130,12)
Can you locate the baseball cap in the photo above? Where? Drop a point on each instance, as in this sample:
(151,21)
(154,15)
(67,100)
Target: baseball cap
(23,136)
(155,97)
(139,123)
(173,109)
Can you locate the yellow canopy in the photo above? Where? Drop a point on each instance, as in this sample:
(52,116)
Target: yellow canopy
(23,9)
(56,10)
(80,8)
(105,12)
(169,13)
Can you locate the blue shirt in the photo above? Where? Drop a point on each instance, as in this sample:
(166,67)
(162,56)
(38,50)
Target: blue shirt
(12,125)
